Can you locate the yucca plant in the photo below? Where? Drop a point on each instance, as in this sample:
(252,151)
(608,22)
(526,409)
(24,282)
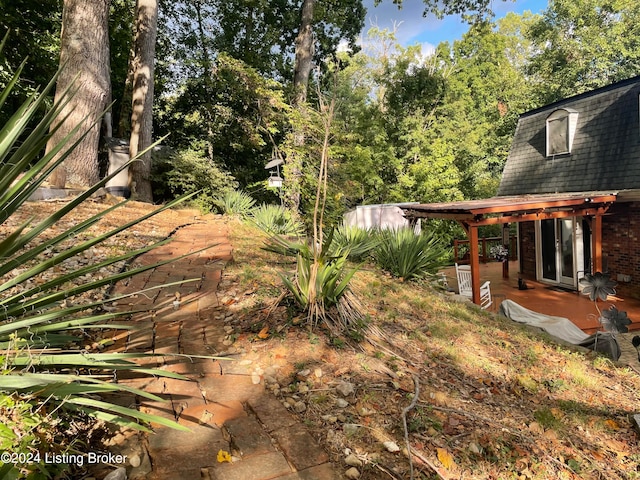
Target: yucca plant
(40,311)
(407,255)
(275,219)
(236,202)
(357,243)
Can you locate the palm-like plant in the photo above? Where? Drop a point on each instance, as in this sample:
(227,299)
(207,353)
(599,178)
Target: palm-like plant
(40,313)
(409,256)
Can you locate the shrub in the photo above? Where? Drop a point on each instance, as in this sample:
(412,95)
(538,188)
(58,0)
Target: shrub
(357,243)
(178,172)
(275,219)
(235,202)
(409,256)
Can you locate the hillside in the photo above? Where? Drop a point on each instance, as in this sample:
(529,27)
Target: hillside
(495,400)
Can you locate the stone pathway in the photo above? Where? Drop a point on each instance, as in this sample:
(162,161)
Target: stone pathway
(221,403)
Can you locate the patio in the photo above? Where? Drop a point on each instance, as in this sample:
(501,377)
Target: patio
(547,299)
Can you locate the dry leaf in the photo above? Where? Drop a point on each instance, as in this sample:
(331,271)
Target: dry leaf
(612,424)
(445,458)
(223,456)
(264,333)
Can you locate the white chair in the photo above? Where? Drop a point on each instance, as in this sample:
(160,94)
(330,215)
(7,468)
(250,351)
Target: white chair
(463,272)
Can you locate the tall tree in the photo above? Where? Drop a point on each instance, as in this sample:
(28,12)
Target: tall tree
(584,44)
(84,51)
(304,53)
(142,98)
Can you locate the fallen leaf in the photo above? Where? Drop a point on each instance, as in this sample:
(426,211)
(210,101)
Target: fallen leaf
(264,333)
(445,458)
(223,456)
(612,424)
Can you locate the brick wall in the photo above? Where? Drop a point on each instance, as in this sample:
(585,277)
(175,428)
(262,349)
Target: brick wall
(621,246)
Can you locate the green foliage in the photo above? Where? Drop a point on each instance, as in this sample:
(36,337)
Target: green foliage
(320,282)
(28,433)
(175,173)
(409,256)
(235,202)
(582,45)
(41,311)
(275,219)
(232,113)
(357,243)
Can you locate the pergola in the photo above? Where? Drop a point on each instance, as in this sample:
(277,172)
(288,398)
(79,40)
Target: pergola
(472,214)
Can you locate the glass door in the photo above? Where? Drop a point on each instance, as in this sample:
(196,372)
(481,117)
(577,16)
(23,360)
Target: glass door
(559,245)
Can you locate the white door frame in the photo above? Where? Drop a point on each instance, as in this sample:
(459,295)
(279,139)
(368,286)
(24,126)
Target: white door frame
(576,251)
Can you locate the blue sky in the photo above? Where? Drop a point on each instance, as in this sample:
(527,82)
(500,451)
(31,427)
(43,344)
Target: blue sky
(417,29)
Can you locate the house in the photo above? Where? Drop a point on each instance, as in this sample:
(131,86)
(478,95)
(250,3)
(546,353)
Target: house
(382,217)
(572,184)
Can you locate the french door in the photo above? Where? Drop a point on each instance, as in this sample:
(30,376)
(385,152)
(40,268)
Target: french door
(561,250)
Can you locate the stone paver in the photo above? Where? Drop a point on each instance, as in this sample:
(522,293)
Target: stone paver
(220,404)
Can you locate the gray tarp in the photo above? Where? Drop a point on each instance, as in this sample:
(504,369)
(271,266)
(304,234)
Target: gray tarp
(562,328)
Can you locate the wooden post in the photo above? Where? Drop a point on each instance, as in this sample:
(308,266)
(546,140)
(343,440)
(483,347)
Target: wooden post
(597,244)
(475,263)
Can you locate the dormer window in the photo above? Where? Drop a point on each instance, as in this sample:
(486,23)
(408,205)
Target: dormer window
(561,128)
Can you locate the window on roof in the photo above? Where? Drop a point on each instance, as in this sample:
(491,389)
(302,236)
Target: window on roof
(561,127)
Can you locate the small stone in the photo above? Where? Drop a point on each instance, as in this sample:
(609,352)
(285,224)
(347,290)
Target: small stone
(352,473)
(391,447)
(302,375)
(291,401)
(299,407)
(475,448)
(270,380)
(255,378)
(303,388)
(227,342)
(330,418)
(345,389)
(135,461)
(318,372)
(350,429)
(342,403)
(353,461)
(118,474)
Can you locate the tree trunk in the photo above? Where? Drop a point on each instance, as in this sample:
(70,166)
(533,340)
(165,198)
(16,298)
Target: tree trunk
(142,100)
(84,51)
(302,72)
(304,53)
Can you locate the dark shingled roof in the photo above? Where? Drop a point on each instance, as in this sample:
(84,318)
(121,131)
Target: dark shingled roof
(606,146)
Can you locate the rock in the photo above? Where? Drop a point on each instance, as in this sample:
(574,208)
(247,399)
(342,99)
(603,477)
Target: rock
(118,474)
(255,378)
(350,429)
(391,447)
(135,461)
(352,473)
(318,372)
(303,375)
(345,389)
(342,403)
(475,448)
(299,407)
(353,461)
(303,388)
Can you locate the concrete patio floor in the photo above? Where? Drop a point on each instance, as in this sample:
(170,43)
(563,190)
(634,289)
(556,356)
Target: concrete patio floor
(547,299)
